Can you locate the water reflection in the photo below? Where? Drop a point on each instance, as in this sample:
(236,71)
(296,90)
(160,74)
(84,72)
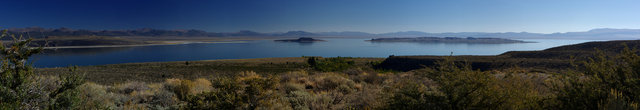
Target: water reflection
(299,43)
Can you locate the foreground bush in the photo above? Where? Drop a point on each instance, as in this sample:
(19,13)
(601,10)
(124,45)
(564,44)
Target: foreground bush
(330,64)
(603,82)
(21,88)
(248,91)
(456,87)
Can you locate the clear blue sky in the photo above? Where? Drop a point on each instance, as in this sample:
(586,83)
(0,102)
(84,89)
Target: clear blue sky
(374,16)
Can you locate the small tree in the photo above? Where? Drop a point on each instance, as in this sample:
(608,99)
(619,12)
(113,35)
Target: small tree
(248,91)
(592,86)
(457,87)
(16,74)
(330,64)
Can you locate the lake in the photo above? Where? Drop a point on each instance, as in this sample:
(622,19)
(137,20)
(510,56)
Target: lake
(345,47)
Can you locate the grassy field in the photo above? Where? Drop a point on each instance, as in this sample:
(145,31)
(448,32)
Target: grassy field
(159,71)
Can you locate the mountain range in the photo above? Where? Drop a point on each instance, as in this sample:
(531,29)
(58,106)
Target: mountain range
(594,34)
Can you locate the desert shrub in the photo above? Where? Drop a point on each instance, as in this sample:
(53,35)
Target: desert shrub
(373,78)
(617,101)
(65,96)
(140,95)
(224,96)
(290,87)
(302,100)
(456,86)
(299,100)
(95,96)
(463,87)
(184,88)
(328,101)
(292,76)
(369,97)
(181,88)
(410,95)
(521,90)
(258,90)
(164,100)
(130,87)
(358,75)
(17,77)
(201,85)
(247,91)
(131,95)
(330,64)
(353,71)
(596,79)
(327,91)
(66,100)
(329,82)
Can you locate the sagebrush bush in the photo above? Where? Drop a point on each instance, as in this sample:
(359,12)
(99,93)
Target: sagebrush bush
(95,96)
(246,91)
(293,76)
(328,82)
(330,64)
(369,97)
(455,86)
(597,77)
(299,100)
(617,101)
(17,78)
(290,87)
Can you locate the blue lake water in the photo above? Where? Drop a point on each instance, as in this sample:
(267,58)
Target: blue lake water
(269,48)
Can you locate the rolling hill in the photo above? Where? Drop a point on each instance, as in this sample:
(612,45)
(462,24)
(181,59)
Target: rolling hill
(552,59)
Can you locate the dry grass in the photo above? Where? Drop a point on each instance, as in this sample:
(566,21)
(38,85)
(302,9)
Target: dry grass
(155,72)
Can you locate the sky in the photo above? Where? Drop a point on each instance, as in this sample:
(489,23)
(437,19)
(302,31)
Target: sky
(373,16)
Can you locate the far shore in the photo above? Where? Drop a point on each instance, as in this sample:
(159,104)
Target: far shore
(164,43)
(152,41)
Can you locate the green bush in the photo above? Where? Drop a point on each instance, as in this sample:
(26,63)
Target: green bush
(95,96)
(410,95)
(248,91)
(617,101)
(456,87)
(596,78)
(330,64)
(333,82)
(16,80)
(300,100)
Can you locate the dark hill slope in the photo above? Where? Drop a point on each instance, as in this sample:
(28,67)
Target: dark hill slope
(609,46)
(579,51)
(552,59)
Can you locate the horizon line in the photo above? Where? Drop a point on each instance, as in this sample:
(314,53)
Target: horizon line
(273,32)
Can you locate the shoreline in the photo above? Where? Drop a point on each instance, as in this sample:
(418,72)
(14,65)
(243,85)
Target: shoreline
(152,44)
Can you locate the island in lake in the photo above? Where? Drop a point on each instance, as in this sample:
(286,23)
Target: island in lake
(301,39)
(449,40)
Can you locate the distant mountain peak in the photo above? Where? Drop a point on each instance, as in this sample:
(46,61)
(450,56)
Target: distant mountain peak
(598,33)
(610,30)
(297,33)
